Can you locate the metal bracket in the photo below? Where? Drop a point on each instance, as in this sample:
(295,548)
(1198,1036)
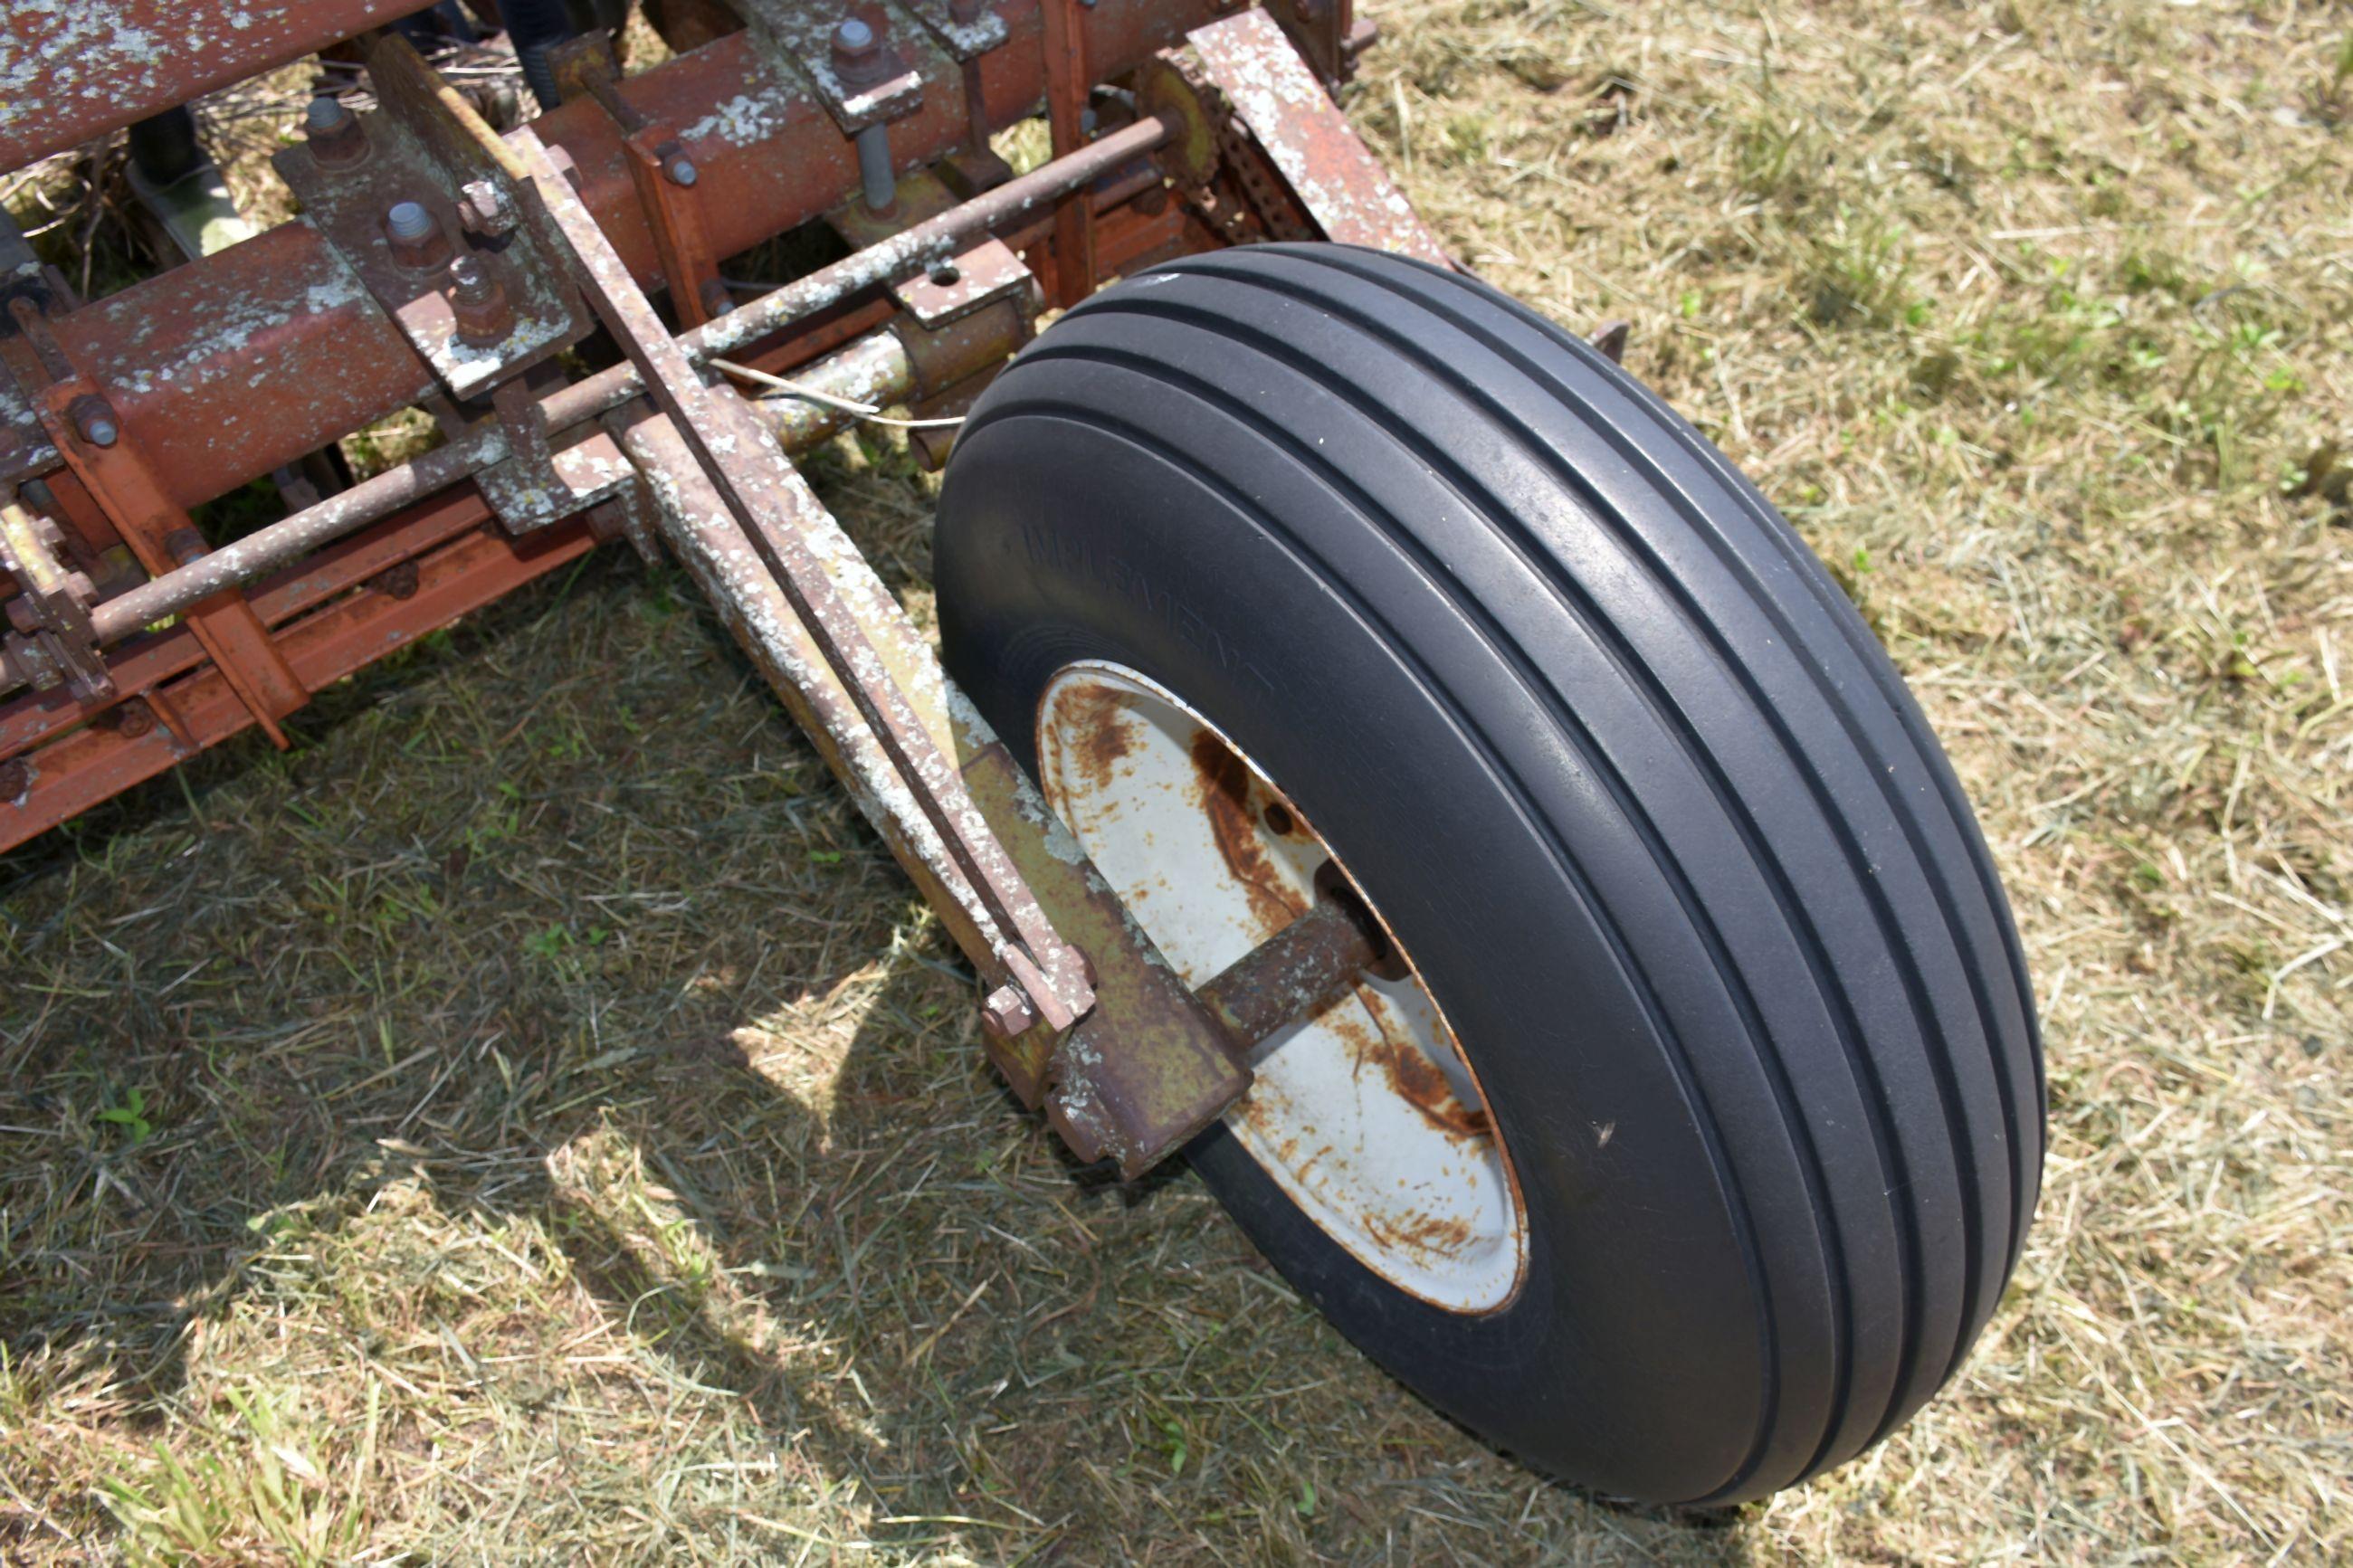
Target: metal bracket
(541,483)
(163,537)
(1150,1068)
(427,145)
(869,86)
(662,175)
(49,638)
(1287,112)
(952,289)
(82,424)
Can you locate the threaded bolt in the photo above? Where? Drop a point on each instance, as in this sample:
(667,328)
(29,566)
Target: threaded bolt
(681,170)
(856,50)
(470,282)
(93,420)
(334,133)
(478,304)
(417,240)
(964,13)
(409,222)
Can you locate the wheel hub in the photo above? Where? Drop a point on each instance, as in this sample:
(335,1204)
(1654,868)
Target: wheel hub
(1365,1112)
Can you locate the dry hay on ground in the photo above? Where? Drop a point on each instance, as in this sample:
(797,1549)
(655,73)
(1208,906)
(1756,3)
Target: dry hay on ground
(532,1120)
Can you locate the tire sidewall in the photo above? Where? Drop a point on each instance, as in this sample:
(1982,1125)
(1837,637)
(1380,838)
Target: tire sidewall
(1630,1349)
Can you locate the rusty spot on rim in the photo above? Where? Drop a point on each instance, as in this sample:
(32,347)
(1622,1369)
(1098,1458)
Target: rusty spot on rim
(1419,1233)
(1105,741)
(1418,1081)
(1224,790)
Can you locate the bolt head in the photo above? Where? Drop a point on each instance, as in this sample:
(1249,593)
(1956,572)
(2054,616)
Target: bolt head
(478,306)
(964,13)
(1006,1012)
(484,210)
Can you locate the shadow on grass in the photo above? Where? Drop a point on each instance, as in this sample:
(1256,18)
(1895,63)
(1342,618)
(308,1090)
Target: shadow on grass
(569,1062)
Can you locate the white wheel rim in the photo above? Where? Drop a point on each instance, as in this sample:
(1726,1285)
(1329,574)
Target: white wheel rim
(1365,1113)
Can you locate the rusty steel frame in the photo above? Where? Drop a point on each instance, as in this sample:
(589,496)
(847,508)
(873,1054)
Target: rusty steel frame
(118,417)
(78,70)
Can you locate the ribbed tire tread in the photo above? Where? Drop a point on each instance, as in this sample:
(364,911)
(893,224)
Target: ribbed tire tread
(1825,951)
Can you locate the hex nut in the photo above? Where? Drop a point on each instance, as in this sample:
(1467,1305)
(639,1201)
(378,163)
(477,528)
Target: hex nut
(131,718)
(334,133)
(1006,1012)
(478,304)
(858,51)
(483,209)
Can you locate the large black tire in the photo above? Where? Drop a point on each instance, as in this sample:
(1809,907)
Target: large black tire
(1633,784)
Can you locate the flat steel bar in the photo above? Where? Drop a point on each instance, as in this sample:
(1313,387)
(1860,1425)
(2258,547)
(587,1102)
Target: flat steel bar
(80,70)
(1068,87)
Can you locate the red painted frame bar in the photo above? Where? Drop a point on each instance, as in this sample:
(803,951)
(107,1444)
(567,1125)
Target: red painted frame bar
(199,711)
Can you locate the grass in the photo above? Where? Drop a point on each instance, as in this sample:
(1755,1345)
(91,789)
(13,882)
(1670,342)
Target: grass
(532,1121)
